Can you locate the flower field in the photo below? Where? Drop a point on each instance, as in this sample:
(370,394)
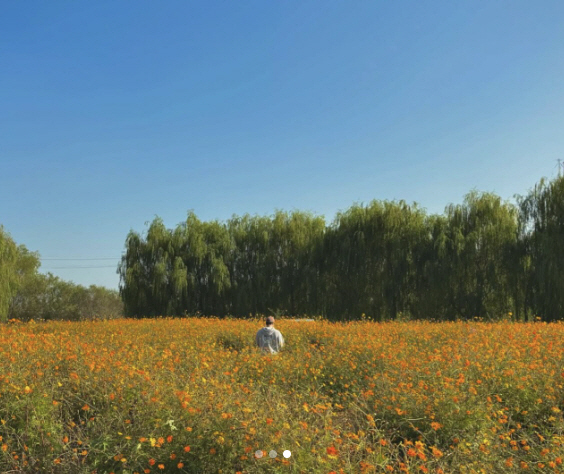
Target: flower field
(195,396)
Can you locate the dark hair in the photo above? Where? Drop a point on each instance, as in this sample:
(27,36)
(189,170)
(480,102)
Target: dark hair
(269,321)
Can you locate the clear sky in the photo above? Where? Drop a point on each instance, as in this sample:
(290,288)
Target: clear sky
(113,112)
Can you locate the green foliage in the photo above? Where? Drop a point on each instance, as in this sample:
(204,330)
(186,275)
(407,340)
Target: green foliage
(371,259)
(47,297)
(28,295)
(465,269)
(484,258)
(16,265)
(542,236)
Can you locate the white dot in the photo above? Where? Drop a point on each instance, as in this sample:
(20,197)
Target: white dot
(258,454)
(286,454)
(273,454)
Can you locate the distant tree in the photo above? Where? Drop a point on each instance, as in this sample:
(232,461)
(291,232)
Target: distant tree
(9,279)
(292,252)
(97,302)
(47,297)
(475,245)
(542,237)
(483,258)
(251,266)
(17,267)
(370,255)
(433,261)
(26,294)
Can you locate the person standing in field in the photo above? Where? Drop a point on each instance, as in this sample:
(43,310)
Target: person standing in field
(268,339)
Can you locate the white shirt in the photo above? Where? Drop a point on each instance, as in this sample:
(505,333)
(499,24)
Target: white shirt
(269,339)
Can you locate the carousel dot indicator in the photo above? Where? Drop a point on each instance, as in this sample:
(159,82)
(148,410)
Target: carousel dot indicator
(286,454)
(258,454)
(273,454)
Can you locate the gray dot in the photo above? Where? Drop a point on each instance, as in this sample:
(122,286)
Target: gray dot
(273,454)
(258,454)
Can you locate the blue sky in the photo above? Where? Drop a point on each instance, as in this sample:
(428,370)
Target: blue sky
(114,112)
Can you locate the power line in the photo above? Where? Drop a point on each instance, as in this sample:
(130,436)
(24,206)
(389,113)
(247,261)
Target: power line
(103,258)
(68,268)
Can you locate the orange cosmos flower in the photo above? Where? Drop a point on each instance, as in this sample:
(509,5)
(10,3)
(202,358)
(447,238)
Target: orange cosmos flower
(332,451)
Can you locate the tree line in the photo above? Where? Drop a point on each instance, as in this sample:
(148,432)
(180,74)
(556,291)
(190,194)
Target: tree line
(26,294)
(484,258)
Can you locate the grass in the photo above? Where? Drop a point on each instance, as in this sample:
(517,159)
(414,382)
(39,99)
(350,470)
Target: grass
(195,396)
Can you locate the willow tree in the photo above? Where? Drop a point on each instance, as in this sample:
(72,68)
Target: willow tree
(18,270)
(8,272)
(214,280)
(27,283)
(294,237)
(133,270)
(370,252)
(159,255)
(542,216)
(189,242)
(152,275)
(476,244)
(250,268)
(433,262)
(404,233)
(384,259)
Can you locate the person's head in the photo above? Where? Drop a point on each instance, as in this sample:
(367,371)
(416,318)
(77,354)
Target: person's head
(270,321)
